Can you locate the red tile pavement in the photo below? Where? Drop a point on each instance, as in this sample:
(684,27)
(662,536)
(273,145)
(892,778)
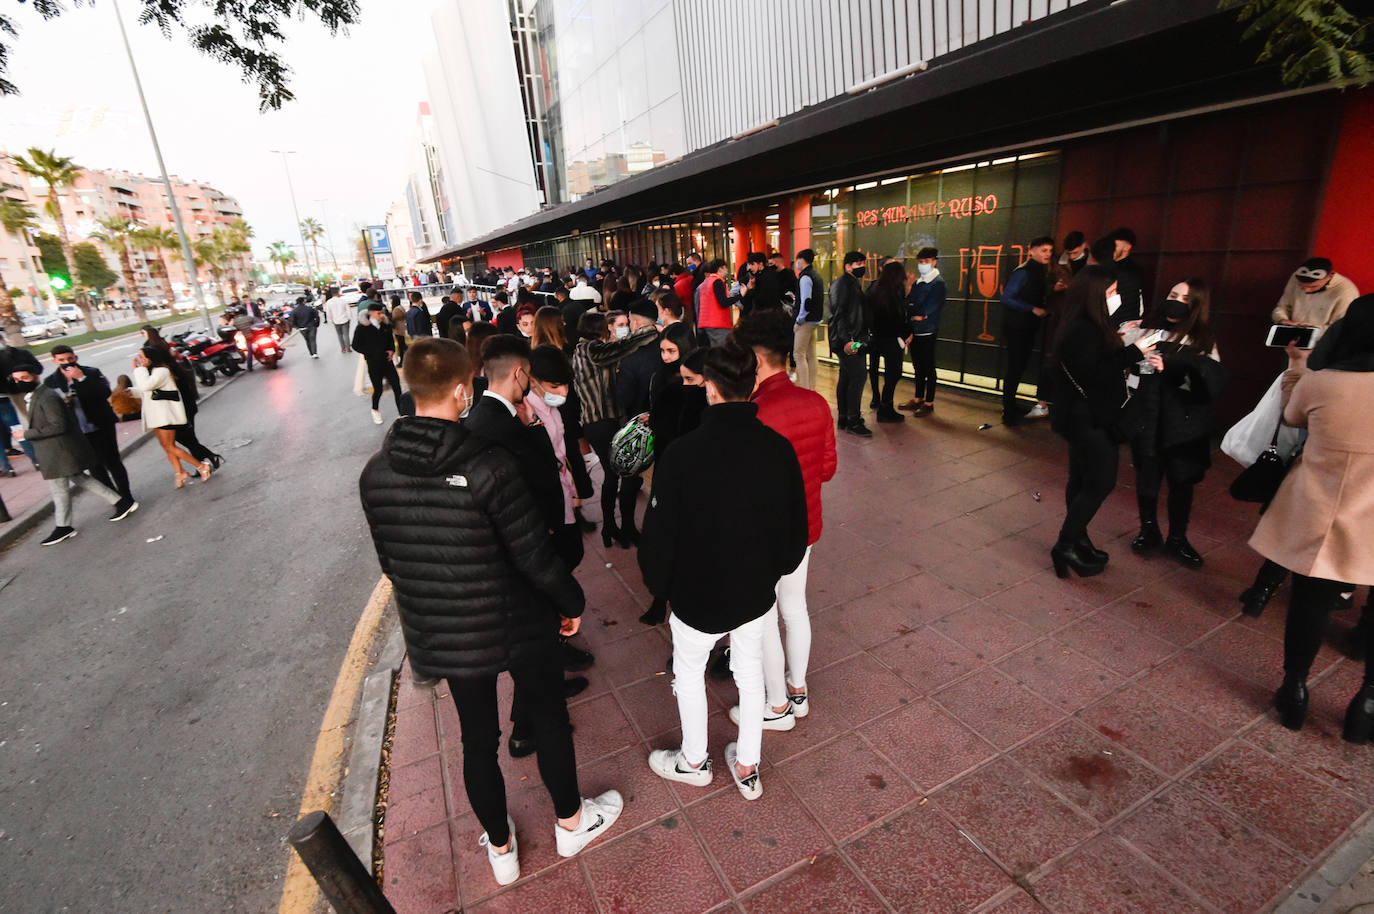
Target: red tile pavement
(985,737)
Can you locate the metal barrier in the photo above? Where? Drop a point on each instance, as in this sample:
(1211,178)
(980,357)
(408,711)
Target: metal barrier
(344,881)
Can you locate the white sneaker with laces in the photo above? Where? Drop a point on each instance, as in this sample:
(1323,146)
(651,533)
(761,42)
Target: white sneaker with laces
(505,867)
(671,766)
(376,417)
(800,706)
(750,787)
(1038,411)
(598,815)
(772,720)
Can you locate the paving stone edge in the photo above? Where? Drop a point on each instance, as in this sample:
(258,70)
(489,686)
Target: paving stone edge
(358,794)
(1314,895)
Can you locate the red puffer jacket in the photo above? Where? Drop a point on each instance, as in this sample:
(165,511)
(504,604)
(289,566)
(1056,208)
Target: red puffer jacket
(802,417)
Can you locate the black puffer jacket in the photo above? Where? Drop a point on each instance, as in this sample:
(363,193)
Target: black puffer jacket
(477,581)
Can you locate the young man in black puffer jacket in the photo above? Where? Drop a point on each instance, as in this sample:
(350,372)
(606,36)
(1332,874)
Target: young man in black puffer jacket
(480,591)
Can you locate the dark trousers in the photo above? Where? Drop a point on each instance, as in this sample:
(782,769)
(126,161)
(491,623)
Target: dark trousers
(342,331)
(1093,456)
(400,350)
(629,499)
(923,366)
(1150,472)
(1019,330)
(873,355)
(889,349)
(105,443)
(539,692)
(598,435)
(379,371)
(567,542)
(186,437)
(309,334)
(849,390)
(1309,606)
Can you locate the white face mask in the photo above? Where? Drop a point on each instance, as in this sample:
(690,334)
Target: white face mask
(621,332)
(465,397)
(924,269)
(554,400)
(1113,302)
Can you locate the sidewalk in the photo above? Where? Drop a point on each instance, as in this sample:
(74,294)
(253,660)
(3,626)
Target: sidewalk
(984,736)
(29,488)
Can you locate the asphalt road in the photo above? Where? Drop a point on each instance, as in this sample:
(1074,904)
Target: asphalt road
(159,701)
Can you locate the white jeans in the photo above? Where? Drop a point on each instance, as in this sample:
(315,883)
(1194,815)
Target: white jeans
(804,351)
(691,649)
(792,605)
(61,489)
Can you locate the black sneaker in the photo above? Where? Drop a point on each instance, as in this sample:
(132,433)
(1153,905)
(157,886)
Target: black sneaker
(574,659)
(58,535)
(857,427)
(122,510)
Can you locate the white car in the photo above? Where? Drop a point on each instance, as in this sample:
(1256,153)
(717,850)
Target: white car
(43,326)
(69,312)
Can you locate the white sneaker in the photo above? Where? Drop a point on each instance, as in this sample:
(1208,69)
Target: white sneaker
(376,417)
(506,867)
(772,720)
(670,765)
(598,815)
(800,706)
(751,787)
(1038,411)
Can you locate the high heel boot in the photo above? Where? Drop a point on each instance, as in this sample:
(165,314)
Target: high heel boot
(1291,700)
(609,533)
(1359,717)
(1255,597)
(1066,556)
(1086,546)
(1149,538)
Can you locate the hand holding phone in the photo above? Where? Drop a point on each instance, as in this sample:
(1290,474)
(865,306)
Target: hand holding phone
(1147,342)
(1281,335)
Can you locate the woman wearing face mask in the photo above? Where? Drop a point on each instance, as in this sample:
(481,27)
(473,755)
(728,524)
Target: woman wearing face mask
(551,378)
(887,299)
(1091,365)
(524,320)
(674,407)
(1174,410)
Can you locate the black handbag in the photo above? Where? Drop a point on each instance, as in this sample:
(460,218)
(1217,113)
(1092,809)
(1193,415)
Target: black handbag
(1260,481)
(166,395)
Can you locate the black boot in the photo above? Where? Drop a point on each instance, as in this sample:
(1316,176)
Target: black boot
(1086,547)
(1181,549)
(609,533)
(1067,556)
(1255,597)
(1149,538)
(1291,700)
(656,614)
(888,414)
(1359,716)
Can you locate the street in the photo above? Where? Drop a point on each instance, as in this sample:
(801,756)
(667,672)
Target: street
(165,676)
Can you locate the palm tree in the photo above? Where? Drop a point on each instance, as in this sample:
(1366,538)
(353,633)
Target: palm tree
(16,218)
(159,239)
(312,231)
(57,172)
(117,232)
(210,255)
(280,252)
(233,242)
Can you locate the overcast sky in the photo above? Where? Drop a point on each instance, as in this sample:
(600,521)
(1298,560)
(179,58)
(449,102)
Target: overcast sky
(78,97)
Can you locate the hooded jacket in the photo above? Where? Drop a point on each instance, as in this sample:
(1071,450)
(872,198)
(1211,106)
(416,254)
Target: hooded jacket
(477,582)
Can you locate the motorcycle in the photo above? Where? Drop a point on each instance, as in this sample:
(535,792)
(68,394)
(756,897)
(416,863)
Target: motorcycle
(206,356)
(261,342)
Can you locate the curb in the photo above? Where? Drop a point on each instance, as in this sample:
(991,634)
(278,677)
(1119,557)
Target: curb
(1313,895)
(20,526)
(358,794)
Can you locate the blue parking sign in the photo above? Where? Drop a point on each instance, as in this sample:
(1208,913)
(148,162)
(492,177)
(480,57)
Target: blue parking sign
(378,241)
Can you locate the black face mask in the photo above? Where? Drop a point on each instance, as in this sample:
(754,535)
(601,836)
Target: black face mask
(859,272)
(1175,310)
(25,386)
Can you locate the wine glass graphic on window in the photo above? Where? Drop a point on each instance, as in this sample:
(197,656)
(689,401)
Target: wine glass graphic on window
(987,275)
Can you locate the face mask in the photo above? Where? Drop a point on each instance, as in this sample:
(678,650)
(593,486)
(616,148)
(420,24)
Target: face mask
(859,272)
(1113,302)
(691,267)
(924,269)
(25,386)
(1083,256)
(524,334)
(554,400)
(622,332)
(1175,310)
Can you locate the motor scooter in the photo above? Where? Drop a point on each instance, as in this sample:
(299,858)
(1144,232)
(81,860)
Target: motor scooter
(207,355)
(261,342)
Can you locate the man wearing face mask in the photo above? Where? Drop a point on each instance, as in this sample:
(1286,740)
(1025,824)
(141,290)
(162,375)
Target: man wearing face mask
(1075,256)
(88,393)
(1023,306)
(1315,296)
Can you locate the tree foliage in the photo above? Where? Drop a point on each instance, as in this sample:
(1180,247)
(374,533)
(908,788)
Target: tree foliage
(91,269)
(1311,40)
(244,33)
(50,254)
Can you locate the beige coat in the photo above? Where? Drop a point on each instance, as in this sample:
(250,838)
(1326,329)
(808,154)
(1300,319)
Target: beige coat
(158,413)
(1321,522)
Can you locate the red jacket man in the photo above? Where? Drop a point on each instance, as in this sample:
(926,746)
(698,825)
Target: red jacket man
(802,417)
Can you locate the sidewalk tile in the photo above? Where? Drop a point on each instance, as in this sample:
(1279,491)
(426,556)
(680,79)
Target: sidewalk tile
(1016,902)
(926,659)
(423,809)
(874,617)
(1164,617)
(1038,605)
(1103,876)
(1254,655)
(1160,731)
(563,889)
(1220,698)
(419,873)
(415,737)
(985,631)
(1221,858)
(647,796)
(846,785)
(997,707)
(1094,775)
(657,869)
(632,658)
(1019,822)
(920,862)
(600,728)
(927,744)
(752,840)
(1275,798)
(1115,644)
(851,692)
(652,706)
(824,885)
(1061,676)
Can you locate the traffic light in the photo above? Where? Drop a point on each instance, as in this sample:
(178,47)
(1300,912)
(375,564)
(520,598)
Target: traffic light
(59,282)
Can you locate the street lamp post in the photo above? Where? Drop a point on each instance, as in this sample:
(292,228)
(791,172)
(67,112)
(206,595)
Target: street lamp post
(186,252)
(305,251)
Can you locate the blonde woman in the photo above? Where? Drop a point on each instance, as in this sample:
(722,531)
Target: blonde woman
(163,410)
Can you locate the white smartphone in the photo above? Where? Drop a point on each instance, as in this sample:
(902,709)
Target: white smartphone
(1280,335)
(1150,338)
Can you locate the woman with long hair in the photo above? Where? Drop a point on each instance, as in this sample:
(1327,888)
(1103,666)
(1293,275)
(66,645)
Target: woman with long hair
(163,411)
(398,328)
(549,328)
(1089,364)
(1173,439)
(673,408)
(595,388)
(887,301)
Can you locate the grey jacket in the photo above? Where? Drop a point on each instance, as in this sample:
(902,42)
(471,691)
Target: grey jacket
(58,445)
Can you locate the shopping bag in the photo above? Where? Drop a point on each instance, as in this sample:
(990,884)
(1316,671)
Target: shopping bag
(1254,434)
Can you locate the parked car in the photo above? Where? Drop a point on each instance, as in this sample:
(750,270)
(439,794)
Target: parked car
(69,312)
(43,326)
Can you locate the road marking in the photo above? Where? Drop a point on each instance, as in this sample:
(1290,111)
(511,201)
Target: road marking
(299,891)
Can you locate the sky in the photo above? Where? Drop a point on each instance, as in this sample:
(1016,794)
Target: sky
(357,99)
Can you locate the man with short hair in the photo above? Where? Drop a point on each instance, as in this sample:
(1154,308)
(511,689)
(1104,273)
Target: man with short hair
(755,522)
(583,291)
(339,313)
(1130,278)
(479,524)
(1075,255)
(307,320)
(88,394)
(62,451)
(810,310)
(1023,306)
(803,418)
(1314,296)
(448,310)
(477,311)
(787,280)
(848,333)
(419,322)
(924,303)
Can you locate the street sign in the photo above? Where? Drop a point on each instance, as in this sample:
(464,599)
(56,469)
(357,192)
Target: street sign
(386,266)
(378,240)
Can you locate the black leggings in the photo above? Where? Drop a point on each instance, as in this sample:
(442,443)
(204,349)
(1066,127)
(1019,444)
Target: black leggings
(378,372)
(599,435)
(923,365)
(186,437)
(1309,606)
(539,692)
(889,349)
(1150,473)
(1093,456)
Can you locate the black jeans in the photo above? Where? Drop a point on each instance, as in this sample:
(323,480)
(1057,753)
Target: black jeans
(105,443)
(1093,457)
(1309,606)
(1150,472)
(186,437)
(567,542)
(923,366)
(1019,330)
(889,349)
(849,390)
(539,692)
(309,334)
(381,370)
(598,435)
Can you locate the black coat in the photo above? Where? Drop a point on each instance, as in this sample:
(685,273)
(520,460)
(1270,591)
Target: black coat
(304,317)
(1085,369)
(849,318)
(1175,407)
(477,582)
(374,342)
(531,448)
(92,392)
(632,380)
(676,409)
(505,321)
(446,314)
(726,520)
